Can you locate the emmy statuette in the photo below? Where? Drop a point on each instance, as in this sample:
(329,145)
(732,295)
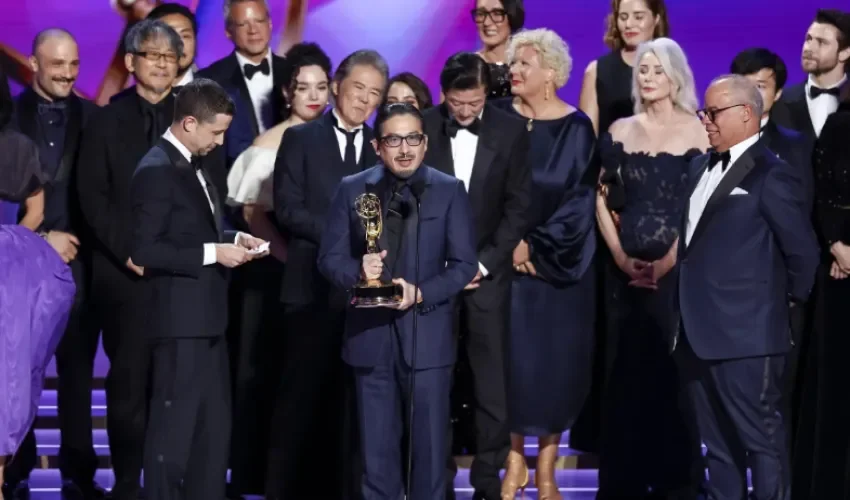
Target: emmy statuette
(374,292)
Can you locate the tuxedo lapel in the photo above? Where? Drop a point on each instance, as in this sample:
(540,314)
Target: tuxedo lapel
(800,110)
(368,158)
(191,183)
(73,130)
(238,82)
(737,172)
(485,153)
(28,114)
(440,144)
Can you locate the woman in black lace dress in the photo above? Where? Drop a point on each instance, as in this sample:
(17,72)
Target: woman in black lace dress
(821,467)
(648,155)
(496,21)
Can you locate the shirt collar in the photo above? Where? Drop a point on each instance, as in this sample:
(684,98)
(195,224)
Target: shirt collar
(764,121)
(170,137)
(839,83)
(738,150)
(187,77)
(242,60)
(338,121)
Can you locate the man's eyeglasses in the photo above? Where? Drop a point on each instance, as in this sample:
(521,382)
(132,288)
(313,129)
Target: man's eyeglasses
(394,141)
(495,15)
(170,58)
(711,114)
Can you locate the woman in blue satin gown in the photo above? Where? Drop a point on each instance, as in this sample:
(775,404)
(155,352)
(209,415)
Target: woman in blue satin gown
(550,344)
(36,286)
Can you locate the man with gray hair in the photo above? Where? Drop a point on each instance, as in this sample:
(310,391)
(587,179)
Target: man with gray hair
(113,142)
(311,161)
(747,264)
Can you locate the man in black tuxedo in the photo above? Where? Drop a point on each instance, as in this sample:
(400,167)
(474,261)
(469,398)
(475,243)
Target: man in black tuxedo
(485,148)
(312,159)
(178,239)
(252,73)
(747,261)
(52,116)
(114,140)
(826,58)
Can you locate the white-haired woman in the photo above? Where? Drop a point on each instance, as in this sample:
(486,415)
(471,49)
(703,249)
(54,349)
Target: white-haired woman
(553,296)
(645,160)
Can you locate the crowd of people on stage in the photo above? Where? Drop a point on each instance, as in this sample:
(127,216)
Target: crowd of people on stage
(656,268)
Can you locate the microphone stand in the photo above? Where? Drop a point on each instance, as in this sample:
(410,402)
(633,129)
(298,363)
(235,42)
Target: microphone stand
(415,189)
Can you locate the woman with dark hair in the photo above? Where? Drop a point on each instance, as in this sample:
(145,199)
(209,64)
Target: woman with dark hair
(409,88)
(606,94)
(249,184)
(36,286)
(497,20)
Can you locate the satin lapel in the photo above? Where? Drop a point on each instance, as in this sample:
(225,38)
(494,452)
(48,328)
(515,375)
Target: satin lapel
(368,158)
(694,176)
(28,114)
(73,129)
(329,145)
(408,241)
(485,153)
(133,134)
(377,185)
(238,82)
(440,144)
(800,109)
(190,181)
(733,177)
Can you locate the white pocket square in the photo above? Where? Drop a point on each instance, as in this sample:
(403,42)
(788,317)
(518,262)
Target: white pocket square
(737,192)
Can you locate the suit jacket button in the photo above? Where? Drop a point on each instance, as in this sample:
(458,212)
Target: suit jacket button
(160,458)
(168,404)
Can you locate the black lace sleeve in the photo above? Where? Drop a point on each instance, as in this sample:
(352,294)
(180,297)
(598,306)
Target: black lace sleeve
(500,81)
(611,156)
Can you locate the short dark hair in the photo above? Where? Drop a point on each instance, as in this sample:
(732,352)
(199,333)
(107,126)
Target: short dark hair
(152,29)
(515,10)
(366,57)
(203,99)
(838,19)
(464,71)
(753,60)
(395,109)
(167,9)
(7,105)
(420,90)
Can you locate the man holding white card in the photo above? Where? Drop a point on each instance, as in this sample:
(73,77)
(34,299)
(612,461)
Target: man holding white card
(179,241)
(746,267)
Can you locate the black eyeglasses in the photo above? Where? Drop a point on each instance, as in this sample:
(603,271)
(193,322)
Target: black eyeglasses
(711,114)
(156,56)
(394,141)
(495,15)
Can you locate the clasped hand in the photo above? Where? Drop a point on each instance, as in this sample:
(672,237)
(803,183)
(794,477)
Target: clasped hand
(373,266)
(645,274)
(840,268)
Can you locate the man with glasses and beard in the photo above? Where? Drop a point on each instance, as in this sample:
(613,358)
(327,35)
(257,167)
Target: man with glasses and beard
(826,59)
(50,114)
(114,141)
(486,148)
(378,341)
(311,160)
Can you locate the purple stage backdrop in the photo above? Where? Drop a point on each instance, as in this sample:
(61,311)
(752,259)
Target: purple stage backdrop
(418,35)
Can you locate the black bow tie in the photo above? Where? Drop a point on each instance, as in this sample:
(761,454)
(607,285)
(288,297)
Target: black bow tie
(197,164)
(251,70)
(452,127)
(814,92)
(719,158)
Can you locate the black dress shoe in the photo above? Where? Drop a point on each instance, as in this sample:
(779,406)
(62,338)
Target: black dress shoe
(73,491)
(19,492)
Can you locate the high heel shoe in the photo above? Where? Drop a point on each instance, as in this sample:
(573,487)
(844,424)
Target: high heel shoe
(516,476)
(544,477)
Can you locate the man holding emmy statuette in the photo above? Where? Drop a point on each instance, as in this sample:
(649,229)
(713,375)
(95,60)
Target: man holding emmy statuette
(400,237)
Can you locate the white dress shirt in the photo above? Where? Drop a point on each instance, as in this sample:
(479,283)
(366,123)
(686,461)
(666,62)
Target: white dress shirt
(260,86)
(188,76)
(342,140)
(708,183)
(464,147)
(209,248)
(823,106)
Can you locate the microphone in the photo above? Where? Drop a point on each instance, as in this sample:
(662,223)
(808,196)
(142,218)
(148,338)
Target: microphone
(416,189)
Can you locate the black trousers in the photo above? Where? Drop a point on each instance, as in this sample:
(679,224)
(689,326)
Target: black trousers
(127,345)
(255,334)
(311,438)
(188,435)
(484,316)
(75,357)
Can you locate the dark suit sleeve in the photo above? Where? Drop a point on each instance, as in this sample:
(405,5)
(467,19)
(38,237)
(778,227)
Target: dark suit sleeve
(781,204)
(461,265)
(150,197)
(498,251)
(94,187)
(290,174)
(335,260)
